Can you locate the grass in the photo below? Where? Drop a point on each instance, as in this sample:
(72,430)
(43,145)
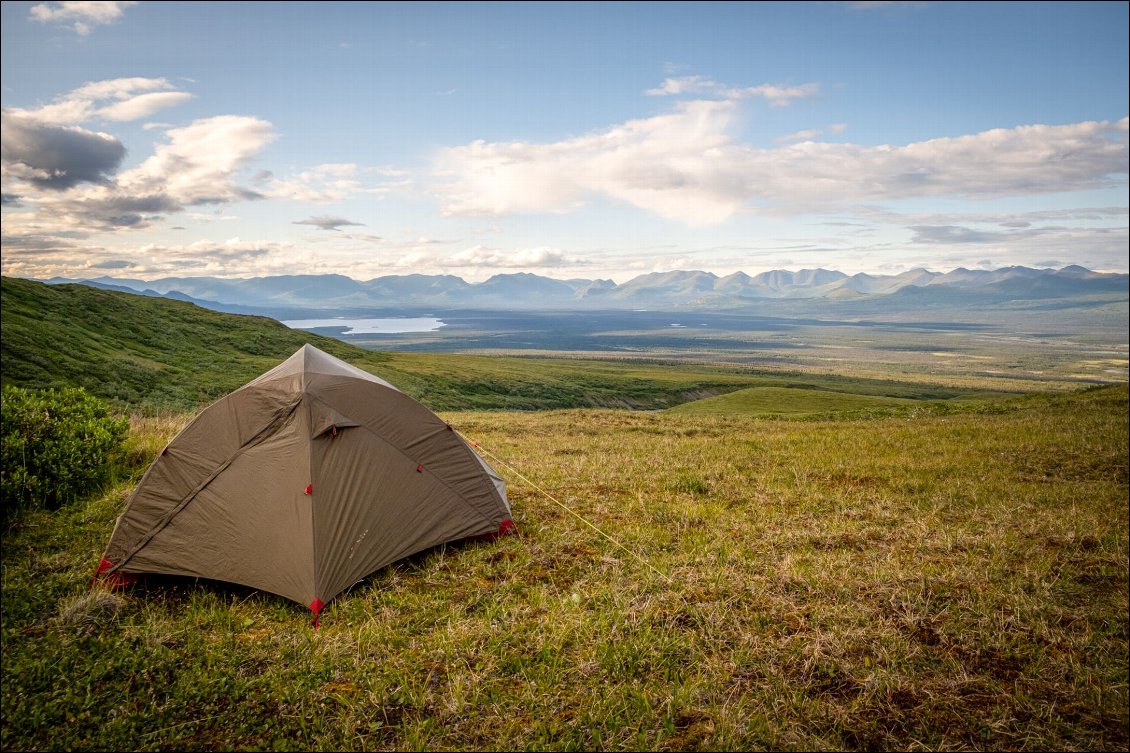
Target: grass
(933,581)
(160,356)
(789,401)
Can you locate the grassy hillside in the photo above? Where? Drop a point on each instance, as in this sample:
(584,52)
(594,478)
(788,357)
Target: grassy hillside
(136,349)
(157,353)
(921,582)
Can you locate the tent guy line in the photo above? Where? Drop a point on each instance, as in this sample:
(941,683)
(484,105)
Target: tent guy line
(562,505)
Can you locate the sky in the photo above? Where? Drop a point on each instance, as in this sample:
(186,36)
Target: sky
(572,140)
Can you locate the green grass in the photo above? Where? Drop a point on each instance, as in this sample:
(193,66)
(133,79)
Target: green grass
(789,401)
(158,355)
(926,581)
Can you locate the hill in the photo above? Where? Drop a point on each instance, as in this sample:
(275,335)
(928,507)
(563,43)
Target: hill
(155,353)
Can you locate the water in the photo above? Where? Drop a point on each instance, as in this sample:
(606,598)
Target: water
(369,326)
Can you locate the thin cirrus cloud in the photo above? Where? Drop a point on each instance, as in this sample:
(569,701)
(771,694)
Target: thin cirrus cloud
(775,94)
(80,16)
(685,166)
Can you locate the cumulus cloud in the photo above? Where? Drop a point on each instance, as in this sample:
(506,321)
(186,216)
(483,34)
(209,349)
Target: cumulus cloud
(56,157)
(324,222)
(775,94)
(69,179)
(80,16)
(685,166)
(200,162)
(672,165)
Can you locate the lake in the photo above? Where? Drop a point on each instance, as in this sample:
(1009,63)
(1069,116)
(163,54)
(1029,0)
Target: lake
(369,326)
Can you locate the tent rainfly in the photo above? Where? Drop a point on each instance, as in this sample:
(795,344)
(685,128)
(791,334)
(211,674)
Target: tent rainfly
(301,483)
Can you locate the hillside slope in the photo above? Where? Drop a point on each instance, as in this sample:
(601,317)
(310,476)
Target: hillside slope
(137,349)
(155,353)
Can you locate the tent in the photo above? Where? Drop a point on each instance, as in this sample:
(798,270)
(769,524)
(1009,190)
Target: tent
(301,483)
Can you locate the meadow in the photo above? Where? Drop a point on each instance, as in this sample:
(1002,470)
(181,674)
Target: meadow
(885,579)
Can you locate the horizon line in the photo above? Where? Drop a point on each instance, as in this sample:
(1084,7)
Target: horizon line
(593,279)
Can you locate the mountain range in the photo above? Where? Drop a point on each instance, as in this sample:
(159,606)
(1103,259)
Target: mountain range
(657,290)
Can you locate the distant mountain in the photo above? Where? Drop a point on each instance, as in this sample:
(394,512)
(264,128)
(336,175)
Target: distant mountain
(681,289)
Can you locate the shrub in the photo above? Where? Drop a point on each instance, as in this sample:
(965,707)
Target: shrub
(57,445)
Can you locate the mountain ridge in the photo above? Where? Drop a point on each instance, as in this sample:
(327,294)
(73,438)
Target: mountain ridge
(673,289)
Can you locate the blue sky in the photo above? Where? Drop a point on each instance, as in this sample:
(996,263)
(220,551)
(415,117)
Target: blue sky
(573,140)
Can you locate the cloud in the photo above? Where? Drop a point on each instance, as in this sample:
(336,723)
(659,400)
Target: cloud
(776,95)
(81,16)
(210,252)
(235,256)
(331,183)
(120,99)
(112,264)
(323,222)
(56,157)
(808,135)
(953,234)
(321,184)
(671,165)
(67,176)
(481,256)
(685,166)
(199,163)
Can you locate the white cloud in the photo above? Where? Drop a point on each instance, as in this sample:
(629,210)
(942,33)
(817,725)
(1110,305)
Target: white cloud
(118,99)
(66,179)
(81,16)
(685,166)
(321,184)
(143,106)
(200,162)
(808,135)
(334,182)
(672,165)
(776,95)
(481,256)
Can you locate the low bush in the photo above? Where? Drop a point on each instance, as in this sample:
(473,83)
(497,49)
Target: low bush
(57,446)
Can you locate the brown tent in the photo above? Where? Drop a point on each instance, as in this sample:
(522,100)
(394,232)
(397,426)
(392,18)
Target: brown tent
(301,483)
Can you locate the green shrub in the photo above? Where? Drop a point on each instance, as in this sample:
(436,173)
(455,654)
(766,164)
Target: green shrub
(57,445)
